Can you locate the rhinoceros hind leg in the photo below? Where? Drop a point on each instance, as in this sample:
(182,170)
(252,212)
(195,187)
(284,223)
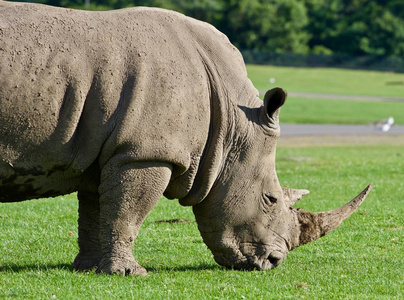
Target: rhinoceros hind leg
(128,193)
(89,228)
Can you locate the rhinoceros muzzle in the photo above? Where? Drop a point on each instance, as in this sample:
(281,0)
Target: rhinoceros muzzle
(306,227)
(267,262)
(257,262)
(258,257)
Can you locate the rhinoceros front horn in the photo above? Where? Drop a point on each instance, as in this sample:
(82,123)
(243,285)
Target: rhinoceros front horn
(316,225)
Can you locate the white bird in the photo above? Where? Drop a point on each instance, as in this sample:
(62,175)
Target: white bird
(384,125)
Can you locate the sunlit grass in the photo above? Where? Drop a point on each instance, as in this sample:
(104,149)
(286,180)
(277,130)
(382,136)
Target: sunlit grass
(363,258)
(317,111)
(328,80)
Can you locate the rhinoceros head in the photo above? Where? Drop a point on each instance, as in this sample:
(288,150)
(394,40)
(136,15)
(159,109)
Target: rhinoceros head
(247,220)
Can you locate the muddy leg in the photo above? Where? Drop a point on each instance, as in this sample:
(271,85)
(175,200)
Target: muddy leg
(89,226)
(128,193)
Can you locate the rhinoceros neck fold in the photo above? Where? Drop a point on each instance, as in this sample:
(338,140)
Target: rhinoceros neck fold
(221,65)
(212,156)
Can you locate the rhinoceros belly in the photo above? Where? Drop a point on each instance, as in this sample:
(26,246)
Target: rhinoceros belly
(17,184)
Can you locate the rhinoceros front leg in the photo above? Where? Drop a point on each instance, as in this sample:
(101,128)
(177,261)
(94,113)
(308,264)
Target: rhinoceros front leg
(127,194)
(89,226)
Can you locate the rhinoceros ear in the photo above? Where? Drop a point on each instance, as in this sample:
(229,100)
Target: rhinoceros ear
(273,100)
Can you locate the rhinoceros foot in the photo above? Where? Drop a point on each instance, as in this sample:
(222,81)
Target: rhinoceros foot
(85,262)
(122,266)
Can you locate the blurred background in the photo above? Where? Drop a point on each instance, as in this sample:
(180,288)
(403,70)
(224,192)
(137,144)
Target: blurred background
(329,33)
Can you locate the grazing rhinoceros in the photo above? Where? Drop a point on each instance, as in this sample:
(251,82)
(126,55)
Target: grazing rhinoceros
(127,105)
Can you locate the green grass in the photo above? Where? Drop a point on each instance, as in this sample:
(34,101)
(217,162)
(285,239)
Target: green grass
(328,81)
(317,111)
(362,259)
(333,81)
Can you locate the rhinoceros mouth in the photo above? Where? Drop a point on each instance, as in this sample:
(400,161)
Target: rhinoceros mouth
(265,262)
(249,263)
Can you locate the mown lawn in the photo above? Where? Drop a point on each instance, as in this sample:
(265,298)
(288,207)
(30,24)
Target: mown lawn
(333,81)
(328,80)
(362,259)
(318,111)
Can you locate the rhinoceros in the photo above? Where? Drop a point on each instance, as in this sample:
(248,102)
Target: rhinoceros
(126,106)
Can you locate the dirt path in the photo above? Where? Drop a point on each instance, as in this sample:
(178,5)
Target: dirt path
(339,140)
(304,135)
(345,130)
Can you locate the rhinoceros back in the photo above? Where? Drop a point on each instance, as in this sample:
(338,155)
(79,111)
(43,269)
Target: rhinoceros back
(78,86)
(51,130)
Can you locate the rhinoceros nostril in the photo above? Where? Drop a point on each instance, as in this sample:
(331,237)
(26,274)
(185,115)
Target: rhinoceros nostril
(275,258)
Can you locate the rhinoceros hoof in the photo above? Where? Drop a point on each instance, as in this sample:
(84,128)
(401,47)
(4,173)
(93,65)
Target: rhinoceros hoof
(121,266)
(85,262)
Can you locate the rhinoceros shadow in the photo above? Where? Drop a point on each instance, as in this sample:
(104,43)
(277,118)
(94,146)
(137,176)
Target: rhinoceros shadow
(185,268)
(34,267)
(15,268)
(250,113)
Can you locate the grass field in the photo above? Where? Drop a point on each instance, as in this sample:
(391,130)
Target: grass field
(329,81)
(362,259)
(333,81)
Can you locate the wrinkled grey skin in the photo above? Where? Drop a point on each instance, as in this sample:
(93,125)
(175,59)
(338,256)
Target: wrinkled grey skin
(127,105)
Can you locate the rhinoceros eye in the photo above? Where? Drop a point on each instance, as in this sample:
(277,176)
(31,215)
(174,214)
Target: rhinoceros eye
(270,198)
